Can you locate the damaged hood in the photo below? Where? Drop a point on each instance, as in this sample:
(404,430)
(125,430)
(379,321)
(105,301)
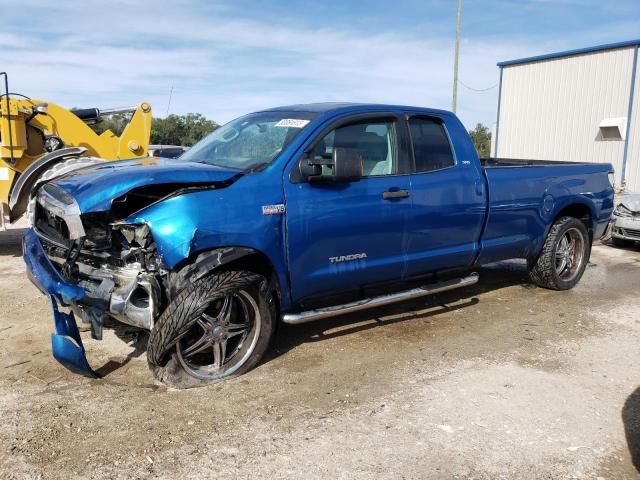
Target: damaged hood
(631,202)
(95,188)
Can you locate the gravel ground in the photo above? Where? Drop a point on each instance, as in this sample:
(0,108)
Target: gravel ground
(500,380)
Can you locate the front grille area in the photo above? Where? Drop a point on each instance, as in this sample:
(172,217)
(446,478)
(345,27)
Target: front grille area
(631,233)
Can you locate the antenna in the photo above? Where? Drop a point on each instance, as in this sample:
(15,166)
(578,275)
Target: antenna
(169,102)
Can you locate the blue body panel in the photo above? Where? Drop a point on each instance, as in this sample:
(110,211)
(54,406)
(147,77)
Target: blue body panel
(525,201)
(328,220)
(459,217)
(187,224)
(449,208)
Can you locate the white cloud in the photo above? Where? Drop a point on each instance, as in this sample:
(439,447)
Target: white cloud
(222,64)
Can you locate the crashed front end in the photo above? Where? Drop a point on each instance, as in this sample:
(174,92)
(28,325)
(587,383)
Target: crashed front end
(95,265)
(625,221)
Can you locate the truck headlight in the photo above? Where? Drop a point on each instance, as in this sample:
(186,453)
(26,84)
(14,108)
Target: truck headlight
(622,211)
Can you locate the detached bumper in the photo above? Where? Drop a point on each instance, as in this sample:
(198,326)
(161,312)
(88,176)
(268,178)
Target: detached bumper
(66,343)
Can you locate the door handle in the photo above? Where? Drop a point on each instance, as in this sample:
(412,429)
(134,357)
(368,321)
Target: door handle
(392,194)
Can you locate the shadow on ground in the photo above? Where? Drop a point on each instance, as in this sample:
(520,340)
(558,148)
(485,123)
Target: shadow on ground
(493,277)
(137,338)
(632,246)
(631,421)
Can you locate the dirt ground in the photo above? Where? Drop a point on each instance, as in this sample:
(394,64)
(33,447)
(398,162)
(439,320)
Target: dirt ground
(500,380)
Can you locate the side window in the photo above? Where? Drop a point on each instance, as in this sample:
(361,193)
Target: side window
(431,147)
(374,140)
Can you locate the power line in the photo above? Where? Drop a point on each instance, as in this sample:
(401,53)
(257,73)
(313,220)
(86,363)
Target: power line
(477,89)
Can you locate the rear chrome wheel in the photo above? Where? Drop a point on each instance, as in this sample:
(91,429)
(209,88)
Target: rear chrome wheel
(222,338)
(564,256)
(570,254)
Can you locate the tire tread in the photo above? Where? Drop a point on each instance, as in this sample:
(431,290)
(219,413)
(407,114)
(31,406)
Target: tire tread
(543,273)
(182,313)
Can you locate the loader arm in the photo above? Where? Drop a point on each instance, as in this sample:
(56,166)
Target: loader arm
(36,135)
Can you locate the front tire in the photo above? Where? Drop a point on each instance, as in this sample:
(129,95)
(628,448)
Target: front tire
(564,256)
(216,328)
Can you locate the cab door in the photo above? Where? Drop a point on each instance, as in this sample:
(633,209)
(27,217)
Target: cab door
(343,236)
(449,200)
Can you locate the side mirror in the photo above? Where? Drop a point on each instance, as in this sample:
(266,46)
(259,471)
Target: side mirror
(346,166)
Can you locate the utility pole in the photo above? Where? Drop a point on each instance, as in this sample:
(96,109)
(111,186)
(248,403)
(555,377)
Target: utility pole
(454,100)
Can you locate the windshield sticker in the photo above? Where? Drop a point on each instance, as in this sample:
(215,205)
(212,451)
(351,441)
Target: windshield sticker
(292,123)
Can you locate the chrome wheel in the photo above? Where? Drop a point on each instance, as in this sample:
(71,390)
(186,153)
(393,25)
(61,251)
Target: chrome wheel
(570,254)
(222,338)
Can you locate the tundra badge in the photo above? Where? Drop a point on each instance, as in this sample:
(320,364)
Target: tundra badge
(348,258)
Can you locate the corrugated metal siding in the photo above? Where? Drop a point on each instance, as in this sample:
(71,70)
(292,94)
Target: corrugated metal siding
(633,150)
(551,109)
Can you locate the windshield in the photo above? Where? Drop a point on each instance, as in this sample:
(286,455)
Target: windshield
(251,141)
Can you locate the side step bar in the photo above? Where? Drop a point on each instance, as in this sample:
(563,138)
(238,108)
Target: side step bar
(311,315)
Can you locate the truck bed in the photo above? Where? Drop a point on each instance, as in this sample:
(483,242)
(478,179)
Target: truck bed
(526,195)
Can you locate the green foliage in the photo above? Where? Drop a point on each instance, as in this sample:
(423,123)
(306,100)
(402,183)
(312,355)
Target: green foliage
(173,130)
(481,137)
(181,129)
(115,123)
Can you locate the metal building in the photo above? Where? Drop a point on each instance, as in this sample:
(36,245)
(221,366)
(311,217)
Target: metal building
(579,105)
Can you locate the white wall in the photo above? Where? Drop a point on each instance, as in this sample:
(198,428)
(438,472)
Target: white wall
(551,109)
(633,151)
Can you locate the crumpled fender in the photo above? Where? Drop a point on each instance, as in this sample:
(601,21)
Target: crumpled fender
(203,265)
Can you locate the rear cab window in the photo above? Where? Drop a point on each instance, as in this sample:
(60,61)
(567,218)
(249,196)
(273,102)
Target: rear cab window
(431,146)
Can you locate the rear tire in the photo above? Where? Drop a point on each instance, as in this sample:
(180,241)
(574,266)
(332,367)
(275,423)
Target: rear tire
(217,328)
(564,256)
(57,170)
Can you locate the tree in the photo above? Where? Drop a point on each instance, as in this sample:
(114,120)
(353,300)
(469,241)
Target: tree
(115,123)
(481,137)
(181,129)
(173,130)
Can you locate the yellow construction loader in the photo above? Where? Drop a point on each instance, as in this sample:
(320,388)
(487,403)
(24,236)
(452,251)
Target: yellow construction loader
(41,140)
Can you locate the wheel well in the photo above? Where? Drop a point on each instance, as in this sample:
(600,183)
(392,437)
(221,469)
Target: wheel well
(581,212)
(258,263)
(237,259)
(254,262)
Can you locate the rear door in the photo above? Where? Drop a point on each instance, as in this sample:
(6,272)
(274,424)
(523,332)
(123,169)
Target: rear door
(342,236)
(448,200)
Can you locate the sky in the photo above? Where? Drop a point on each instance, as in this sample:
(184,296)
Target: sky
(226,58)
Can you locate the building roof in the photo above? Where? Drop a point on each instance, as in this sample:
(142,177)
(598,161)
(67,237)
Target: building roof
(569,53)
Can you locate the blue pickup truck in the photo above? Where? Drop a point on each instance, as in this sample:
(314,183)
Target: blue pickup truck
(295,214)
